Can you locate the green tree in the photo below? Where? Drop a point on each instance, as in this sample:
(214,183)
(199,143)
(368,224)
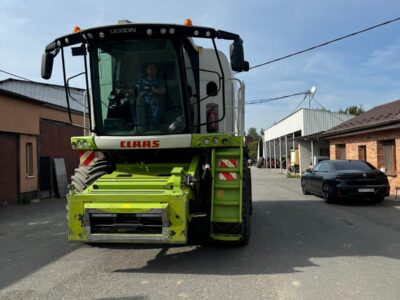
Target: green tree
(253,147)
(353,110)
(252,131)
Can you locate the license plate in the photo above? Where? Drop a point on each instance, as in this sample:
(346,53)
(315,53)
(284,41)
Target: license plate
(366,190)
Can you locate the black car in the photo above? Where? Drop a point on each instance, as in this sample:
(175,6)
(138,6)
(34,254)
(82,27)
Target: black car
(333,179)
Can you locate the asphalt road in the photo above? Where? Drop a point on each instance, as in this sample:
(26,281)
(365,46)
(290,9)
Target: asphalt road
(301,248)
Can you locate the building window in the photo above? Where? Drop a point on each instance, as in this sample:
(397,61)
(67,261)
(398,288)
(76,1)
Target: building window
(389,155)
(341,151)
(362,152)
(29,159)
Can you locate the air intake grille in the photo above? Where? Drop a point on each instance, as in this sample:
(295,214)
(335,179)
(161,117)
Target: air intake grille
(125,223)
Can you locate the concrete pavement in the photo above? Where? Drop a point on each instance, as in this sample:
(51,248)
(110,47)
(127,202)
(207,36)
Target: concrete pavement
(301,248)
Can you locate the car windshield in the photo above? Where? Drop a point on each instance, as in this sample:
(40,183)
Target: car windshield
(137,88)
(352,165)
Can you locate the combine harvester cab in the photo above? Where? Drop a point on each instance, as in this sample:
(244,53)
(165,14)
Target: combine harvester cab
(165,157)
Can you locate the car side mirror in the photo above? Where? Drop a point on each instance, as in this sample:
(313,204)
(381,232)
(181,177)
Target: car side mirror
(309,170)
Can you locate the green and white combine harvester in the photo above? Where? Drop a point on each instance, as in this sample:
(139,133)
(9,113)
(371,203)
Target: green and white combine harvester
(169,143)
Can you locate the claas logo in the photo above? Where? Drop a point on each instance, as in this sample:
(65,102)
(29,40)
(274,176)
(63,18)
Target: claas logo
(140,144)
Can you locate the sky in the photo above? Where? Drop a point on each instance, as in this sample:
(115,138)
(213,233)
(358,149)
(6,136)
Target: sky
(362,70)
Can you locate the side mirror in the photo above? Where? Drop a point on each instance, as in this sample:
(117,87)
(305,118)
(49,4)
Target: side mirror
(47,64)
(309,170)
(238,63)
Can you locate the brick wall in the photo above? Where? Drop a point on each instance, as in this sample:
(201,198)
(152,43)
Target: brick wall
(374,149)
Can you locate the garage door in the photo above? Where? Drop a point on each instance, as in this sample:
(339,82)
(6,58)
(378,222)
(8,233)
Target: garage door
(8,169)
(55,143)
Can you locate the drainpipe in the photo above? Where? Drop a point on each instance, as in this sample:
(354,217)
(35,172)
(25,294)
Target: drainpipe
(269,154)
(312,152)
(280,154)
(286,152)
(275,154)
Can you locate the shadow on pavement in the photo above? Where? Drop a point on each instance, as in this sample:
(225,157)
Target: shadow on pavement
(286,236)
(31,237)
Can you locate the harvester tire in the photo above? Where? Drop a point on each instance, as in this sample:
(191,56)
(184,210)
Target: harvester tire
(85,175)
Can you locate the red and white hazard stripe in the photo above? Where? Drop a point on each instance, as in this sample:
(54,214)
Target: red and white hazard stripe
(228,163)
(86,158)
(227,176)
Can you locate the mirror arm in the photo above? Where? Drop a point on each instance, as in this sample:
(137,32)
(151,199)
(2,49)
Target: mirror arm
(66,85)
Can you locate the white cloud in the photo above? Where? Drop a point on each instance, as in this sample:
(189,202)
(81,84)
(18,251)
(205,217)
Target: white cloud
(386,58)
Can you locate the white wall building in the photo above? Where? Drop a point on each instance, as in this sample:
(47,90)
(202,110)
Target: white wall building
(300,130)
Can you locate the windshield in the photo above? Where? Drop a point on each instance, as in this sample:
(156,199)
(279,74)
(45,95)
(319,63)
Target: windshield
(139,87)
(352,165)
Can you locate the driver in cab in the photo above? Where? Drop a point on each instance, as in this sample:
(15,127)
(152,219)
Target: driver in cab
(151,92)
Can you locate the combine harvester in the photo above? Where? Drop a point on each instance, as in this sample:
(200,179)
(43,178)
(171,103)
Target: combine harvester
(167,131)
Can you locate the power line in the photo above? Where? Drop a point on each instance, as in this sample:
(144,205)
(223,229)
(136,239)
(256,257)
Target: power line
(258,101)
(17,76)
(51,86)
(326,43)
(325,109)
(300,103)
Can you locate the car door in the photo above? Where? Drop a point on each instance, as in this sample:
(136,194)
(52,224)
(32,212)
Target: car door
(320,176)
(312,178)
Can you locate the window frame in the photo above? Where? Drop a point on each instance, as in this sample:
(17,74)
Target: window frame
(340,149)
(392,144)
(362,149)
(95,78)
(29,166)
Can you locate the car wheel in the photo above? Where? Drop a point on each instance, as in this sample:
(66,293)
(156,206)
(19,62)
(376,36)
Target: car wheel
(378,199)
(328,193)
(303,188)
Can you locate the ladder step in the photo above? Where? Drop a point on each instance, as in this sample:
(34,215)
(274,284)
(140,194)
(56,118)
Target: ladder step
(226,237)
(232,185)
(225,153)
(227,202)
(226,220)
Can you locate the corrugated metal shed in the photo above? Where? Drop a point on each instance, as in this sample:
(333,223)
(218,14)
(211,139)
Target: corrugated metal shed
(42,92)
(308,121)
(320,120)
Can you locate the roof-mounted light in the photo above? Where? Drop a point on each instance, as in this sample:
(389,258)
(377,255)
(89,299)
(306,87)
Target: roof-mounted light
(76,29)
(187,22)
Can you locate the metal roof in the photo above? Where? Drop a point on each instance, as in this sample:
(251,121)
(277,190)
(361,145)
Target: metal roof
(382,115)
(43,92)
(306,121)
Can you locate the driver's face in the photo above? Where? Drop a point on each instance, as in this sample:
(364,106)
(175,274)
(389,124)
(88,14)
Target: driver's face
(151,71)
